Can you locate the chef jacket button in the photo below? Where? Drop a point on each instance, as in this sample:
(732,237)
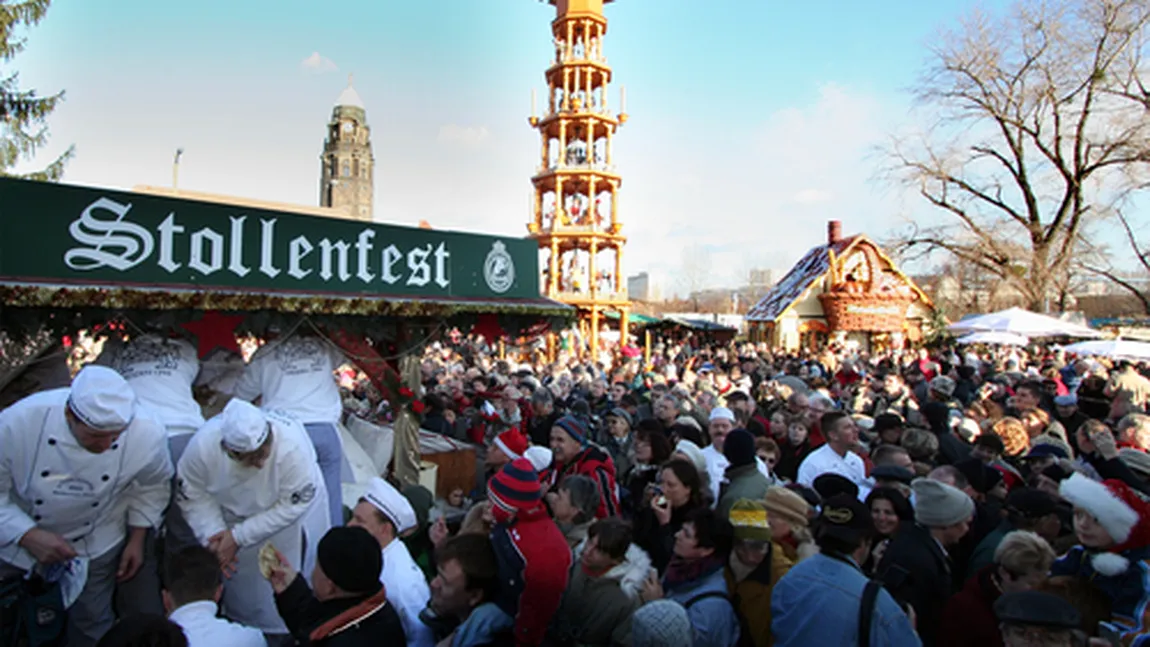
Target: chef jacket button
(44,474)
(36,517)
(95,504)
(115,445)
(39,501)
(51,441)
(105,477)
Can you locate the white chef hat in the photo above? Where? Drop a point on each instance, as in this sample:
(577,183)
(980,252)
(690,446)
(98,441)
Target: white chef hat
(722,413)
(102,399)
(244,426)
(392,504)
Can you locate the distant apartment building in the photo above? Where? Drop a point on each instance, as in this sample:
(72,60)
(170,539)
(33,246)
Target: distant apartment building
(641,287)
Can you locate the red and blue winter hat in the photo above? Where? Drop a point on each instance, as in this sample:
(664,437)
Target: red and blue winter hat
(515,487)
(574,428)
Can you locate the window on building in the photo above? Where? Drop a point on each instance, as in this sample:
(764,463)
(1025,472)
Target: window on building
(346,170)
(355,169)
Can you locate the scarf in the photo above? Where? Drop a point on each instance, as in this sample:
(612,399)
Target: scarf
(681,571)
(350,617)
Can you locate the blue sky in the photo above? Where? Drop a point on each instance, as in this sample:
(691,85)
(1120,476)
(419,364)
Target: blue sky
(752,121)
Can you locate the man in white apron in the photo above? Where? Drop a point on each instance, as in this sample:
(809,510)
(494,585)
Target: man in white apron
(297,375)
(246,478)
(387,515)
(83,473)
(161,371)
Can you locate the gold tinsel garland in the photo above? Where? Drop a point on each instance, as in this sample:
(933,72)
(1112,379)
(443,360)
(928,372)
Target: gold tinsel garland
(38,296)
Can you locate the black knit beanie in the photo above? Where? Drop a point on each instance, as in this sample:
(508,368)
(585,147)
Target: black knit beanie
(351,559)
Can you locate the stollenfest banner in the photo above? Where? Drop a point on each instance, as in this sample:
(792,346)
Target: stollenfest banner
(69,235)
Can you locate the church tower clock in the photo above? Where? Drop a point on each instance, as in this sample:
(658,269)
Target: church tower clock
(347,163)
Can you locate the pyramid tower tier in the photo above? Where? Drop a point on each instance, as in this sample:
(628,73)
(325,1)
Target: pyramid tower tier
(583,271)
(585,144)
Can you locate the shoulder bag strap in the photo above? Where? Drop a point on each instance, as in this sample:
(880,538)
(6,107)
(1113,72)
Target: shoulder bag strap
(866,611)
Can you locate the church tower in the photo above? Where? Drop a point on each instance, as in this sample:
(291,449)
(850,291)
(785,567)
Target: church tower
(347,163)
(575,210)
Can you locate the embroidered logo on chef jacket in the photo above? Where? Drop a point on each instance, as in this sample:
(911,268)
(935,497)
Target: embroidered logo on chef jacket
(74,488)
(303,495)
(300,356)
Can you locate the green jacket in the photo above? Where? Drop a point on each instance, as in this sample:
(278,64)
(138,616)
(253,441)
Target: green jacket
(744,482)
(596,611)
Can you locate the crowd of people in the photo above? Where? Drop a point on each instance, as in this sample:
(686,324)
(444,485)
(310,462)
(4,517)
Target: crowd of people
(714,495)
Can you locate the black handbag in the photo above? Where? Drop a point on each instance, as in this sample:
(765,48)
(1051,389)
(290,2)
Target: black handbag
(32,612)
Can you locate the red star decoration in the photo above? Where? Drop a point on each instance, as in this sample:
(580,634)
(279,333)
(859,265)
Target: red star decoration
(213,331)
(488,326)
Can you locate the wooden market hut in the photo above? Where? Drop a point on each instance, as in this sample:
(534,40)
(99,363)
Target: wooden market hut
(845,291)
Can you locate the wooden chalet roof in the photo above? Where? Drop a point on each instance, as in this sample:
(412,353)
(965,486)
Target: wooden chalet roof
(813,266)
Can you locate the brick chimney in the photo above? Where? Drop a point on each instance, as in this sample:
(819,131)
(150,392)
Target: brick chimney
(834,231)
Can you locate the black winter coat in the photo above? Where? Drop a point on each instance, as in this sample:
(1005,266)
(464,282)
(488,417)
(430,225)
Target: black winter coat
(916,571)
(370,625)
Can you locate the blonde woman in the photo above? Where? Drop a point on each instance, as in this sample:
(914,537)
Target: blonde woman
(1021,563)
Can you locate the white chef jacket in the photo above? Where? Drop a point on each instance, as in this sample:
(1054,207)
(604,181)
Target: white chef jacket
(407,591)
(717,465)
(217,493)
(203,629)
(161,372)
(48,480)
(295,375)
(824,460)
(284,502)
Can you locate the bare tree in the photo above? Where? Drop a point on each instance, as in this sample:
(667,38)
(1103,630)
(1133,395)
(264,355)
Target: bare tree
(1102,264)
(1037,116)
(694,272)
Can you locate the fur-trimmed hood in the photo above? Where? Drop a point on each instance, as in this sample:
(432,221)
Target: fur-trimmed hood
(630,573)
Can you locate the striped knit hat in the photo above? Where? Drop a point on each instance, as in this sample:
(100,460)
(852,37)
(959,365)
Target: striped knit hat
(574,428)
(515,487)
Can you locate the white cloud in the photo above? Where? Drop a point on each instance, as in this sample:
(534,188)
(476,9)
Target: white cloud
(317,64)
(812,196)
(465,136)
(766,197)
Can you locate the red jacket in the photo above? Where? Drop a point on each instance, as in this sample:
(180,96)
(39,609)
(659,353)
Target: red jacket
(597,465)
(968,618)
(534,562)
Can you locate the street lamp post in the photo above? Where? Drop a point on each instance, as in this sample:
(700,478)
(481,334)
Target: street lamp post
(176,170)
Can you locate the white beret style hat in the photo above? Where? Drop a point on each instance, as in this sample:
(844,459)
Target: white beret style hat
(244,427)
(102,399)
(392,504)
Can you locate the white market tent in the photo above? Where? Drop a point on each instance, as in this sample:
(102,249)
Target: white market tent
(1115,348)
(994,338)
(1022,322)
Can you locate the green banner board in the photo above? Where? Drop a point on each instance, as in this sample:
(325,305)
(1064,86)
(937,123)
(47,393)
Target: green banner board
(69,234)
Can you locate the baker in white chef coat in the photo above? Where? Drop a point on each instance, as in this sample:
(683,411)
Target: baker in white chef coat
(161,371)
(83,473)
(296,375)
(246,478)
(387,515)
